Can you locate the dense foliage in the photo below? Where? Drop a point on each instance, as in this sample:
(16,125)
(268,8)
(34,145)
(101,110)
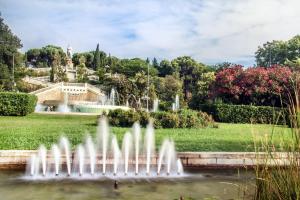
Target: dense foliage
(254,85)
(183,119)
(279,52)
(19,104)
(246,113)
(9,55)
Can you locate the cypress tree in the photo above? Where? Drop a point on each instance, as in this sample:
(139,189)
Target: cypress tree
(96,61)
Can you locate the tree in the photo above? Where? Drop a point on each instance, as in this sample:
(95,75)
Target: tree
(130,67)
(167,87)
(202,89)
(189,72)
(96,61)
(46,56)
(88,56)
(155,63)
(9,45)
(278,52)
(81,74)
(165,68)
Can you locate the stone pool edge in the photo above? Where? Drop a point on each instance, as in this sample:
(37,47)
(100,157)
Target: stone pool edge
(16,159)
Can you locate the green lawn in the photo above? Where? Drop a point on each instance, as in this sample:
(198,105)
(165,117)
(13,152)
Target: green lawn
(30,131)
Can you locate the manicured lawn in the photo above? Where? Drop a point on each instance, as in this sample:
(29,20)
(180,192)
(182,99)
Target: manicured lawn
(30,131)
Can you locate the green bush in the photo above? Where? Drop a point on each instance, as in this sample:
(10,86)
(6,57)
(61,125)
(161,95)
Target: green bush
(123,118)
(16,104)
(162,119)
(245,113)
(165,119)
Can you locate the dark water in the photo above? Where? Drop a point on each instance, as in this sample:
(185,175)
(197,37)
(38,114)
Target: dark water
(219,184)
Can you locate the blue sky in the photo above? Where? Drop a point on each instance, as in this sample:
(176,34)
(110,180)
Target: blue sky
(210,31)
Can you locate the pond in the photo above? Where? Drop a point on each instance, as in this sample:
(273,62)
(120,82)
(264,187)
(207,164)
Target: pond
(204,184)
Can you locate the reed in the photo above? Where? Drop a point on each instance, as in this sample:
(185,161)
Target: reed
(281,181)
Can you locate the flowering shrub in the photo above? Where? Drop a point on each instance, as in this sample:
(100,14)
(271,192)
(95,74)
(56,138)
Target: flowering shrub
(257,85)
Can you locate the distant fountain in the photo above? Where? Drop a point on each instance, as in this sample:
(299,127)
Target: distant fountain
(155,105)
(175,105)
(107,159)
(64,108)
(112,97)
(39,108)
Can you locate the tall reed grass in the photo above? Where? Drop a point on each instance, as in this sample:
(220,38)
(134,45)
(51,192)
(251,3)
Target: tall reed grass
(278,174)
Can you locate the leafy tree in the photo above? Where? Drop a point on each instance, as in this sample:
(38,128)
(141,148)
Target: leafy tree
(46,56)
(202,89)
(189,72)
(122,84)
(165,68)
(155,63)
(81,74)
(278,52)
(9,45)
(130,67)
(167,87)
(88,56)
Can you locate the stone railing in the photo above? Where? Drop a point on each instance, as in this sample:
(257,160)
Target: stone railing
(17,159)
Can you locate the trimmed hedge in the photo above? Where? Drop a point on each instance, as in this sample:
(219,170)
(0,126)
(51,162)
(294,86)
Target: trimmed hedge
(246,113)
(16,104)
(162,119)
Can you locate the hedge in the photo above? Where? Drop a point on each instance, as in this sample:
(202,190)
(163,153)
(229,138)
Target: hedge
(246,113)
(163,119)
(16,104)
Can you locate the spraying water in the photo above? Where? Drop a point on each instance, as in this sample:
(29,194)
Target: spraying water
(126,147)
(43,158)
(112,97)
(103,135)
(91,153)
(116,154)
(33,162)
(175,105)
(56,158)
(109,155)
(65,146)
(155,105)
(80,154)
(64,107)
(149,145)
(137,139)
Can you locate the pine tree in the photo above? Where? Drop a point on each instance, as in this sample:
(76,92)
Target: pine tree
(155,63)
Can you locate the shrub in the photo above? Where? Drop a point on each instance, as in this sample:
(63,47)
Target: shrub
(16,104)
(245,113)
(162,119)
(123,118)
(166,119)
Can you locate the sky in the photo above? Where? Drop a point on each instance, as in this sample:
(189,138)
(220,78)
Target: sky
(211,31)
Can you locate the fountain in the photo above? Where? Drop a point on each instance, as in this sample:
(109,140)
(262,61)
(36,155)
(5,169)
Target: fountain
(64,108)
(155,105)
(175,105)
(104,158)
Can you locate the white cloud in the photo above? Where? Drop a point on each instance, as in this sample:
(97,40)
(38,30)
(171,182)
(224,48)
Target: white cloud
(208,30)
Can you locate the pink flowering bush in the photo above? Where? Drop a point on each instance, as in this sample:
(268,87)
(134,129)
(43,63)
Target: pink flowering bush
(253,85)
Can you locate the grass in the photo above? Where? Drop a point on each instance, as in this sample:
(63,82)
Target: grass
(31,131)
